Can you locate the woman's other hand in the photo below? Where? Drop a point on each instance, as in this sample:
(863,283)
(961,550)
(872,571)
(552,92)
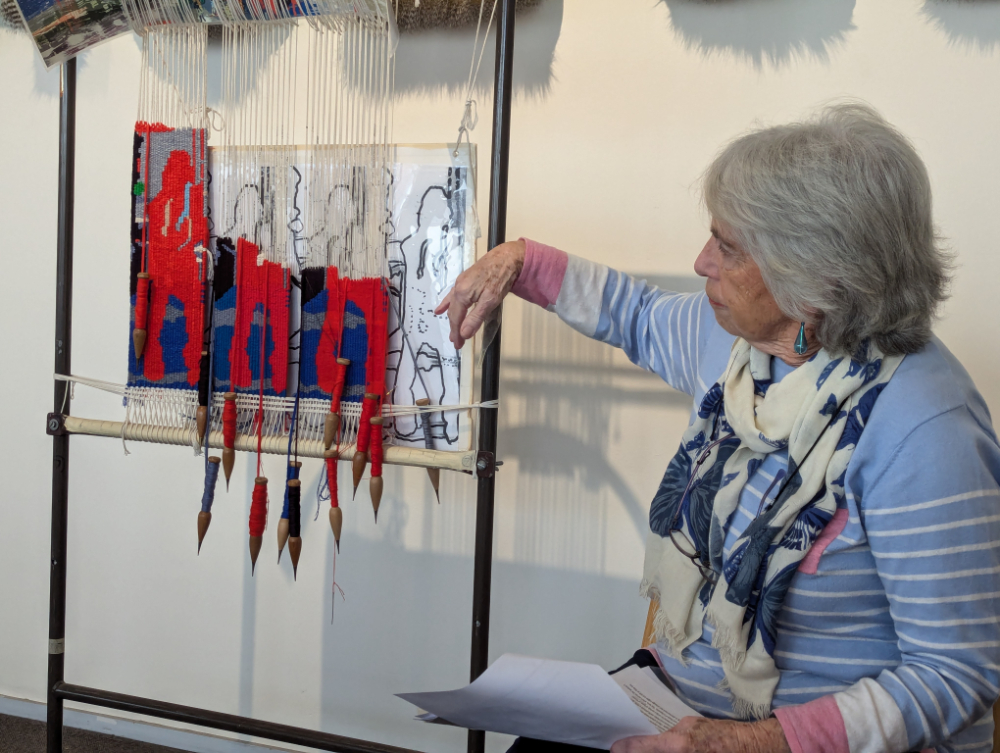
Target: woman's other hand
(480,289)
(699,735)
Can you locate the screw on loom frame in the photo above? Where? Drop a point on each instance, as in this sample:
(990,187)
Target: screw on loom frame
(434,474)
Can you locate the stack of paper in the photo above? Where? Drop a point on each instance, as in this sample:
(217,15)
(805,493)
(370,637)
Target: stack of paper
(565,702)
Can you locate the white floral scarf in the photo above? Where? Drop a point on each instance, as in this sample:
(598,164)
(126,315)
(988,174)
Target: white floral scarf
(817,413)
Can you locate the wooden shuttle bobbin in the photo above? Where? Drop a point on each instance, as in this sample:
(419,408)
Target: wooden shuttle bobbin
(201,416)
(294,513)
(336,524)
(258,516)
(360,460)
(330,428)
(434,474)
(294,467)
(229,435)
(205,515)
(375,482)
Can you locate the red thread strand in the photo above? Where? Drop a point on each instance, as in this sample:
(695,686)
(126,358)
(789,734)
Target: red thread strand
(258,509)
(229,424)
(339,377)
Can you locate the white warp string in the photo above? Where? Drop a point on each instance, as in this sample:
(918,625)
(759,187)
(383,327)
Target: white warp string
(177,409)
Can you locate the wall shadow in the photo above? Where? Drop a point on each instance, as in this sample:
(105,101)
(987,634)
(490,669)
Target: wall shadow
(437,62)
(972,24)
(762,31)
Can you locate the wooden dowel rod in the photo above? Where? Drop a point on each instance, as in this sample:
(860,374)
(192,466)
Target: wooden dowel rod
(412,456)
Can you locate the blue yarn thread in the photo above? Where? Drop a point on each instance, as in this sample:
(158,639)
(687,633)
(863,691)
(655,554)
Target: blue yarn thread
(211,477)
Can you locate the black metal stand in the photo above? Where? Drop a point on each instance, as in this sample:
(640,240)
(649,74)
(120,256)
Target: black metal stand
(60,691)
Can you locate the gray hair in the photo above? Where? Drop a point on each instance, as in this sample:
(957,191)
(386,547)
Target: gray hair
(836,213)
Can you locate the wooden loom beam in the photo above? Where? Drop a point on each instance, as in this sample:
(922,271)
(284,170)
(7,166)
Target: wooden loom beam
(417,457)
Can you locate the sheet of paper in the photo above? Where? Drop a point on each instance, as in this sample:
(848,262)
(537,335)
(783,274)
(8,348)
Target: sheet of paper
(652,697)
(558,701)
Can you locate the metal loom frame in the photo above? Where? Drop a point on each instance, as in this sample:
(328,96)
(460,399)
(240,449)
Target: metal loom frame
(58,690)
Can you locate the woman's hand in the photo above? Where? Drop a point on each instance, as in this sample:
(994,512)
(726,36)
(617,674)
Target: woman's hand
(480,289)
(699,735)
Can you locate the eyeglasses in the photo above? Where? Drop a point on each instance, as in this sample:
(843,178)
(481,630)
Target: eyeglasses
(688,549)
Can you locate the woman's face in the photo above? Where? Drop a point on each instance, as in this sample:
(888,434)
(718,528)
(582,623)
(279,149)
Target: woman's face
(742,304)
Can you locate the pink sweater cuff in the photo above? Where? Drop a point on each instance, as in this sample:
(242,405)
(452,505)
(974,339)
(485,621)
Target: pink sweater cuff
(541,277)
(814,727)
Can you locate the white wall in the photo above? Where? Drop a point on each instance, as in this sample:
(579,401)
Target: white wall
(620,106)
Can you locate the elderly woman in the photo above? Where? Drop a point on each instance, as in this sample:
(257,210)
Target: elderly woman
(824,543)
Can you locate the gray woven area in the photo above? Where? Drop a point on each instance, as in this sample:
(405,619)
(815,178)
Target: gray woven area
(19,735)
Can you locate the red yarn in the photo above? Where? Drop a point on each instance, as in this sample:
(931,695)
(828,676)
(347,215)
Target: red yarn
(229,424)
(331,336)
(339,377)
(375,454)
(257,285)
(258,509)
(141,302)
(169,239)
(331,480)
(365,425)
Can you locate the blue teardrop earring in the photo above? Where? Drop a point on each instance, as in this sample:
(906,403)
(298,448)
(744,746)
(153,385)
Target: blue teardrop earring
(801,344)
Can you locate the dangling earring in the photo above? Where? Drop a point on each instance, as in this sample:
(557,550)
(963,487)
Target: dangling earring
(801,344)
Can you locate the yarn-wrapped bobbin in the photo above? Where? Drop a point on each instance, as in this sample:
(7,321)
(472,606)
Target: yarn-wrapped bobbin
(207,499)
(360,460)
(330,428)
(294,524)
(258,519)
(294,467)
(375,483)
(229,435)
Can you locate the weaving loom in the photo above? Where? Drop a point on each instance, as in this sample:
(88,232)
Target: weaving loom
(273,307)
(275,225)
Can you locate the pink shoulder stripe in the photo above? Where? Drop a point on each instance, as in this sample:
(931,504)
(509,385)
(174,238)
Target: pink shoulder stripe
(814,727)
(541,277)
(832,530)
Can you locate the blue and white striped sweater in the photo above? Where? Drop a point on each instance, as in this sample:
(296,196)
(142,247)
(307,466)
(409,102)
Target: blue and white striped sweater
(908,594)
